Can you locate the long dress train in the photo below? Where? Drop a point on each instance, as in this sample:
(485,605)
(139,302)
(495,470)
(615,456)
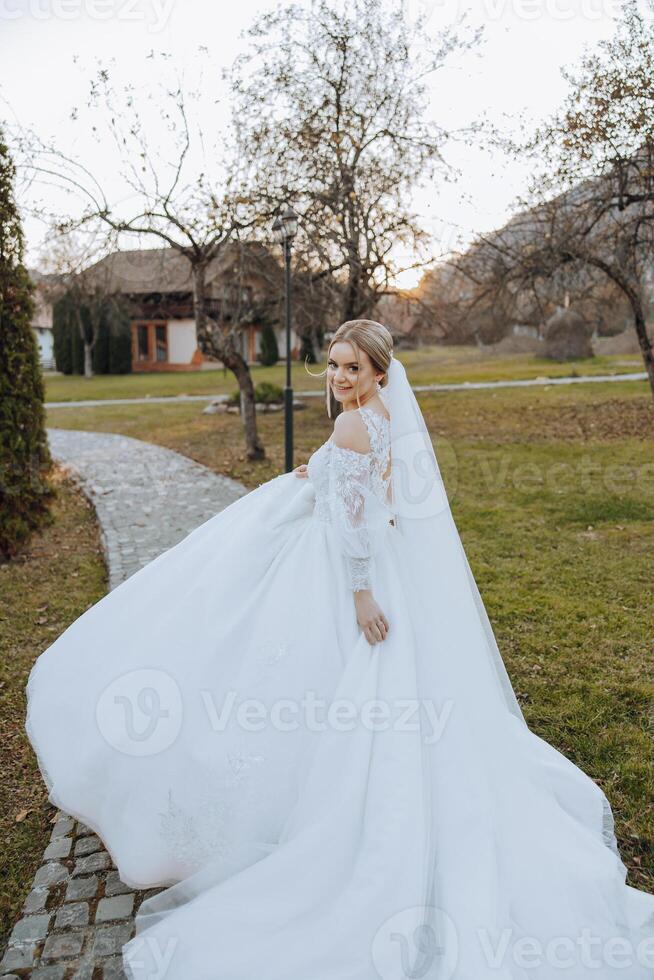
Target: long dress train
(320,808)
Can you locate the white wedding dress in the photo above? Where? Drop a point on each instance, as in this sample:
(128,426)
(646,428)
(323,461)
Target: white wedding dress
(322,808)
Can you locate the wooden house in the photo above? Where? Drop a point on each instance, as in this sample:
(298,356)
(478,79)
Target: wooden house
(243,282)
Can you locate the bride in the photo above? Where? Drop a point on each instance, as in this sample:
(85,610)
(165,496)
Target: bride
(297,719)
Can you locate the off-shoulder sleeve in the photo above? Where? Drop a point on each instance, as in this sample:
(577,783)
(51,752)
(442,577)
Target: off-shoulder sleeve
(358,517)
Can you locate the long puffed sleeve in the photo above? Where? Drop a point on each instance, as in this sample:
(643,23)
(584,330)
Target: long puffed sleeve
(358,516)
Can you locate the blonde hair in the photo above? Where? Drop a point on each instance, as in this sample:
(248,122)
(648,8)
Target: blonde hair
(367,335)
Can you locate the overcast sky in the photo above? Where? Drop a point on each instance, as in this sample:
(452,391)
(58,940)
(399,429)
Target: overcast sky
(48,49)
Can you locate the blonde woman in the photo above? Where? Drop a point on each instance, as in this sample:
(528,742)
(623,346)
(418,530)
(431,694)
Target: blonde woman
(297,721)
(357,364)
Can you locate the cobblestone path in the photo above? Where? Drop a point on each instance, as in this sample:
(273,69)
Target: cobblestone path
(79,913)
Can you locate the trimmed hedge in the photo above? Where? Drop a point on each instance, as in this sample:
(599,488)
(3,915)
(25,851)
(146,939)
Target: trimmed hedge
(269,353)
(25,492)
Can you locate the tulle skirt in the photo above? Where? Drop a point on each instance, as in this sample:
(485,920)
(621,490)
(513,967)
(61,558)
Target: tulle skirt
(320,808)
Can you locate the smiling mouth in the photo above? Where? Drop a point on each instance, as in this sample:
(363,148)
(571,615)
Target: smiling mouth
(338,388)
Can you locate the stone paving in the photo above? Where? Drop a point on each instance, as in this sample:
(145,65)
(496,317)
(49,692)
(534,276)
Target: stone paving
(147,498)
(79,914)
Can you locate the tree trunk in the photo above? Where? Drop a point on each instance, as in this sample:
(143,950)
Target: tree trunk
(643,339)
(210,341)
(88,346)
(238,366)
(360,298)
(634,292)
(88,361)
(354,302)
(206,341)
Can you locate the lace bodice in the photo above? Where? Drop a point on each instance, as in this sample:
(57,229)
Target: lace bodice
(352,493)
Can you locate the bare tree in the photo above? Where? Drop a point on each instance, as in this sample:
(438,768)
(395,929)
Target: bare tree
(597,186)
(68,258)
(588,225)
(575,243)
(330,104)
(464,300)
(179,203)
(606,125)
(522,273)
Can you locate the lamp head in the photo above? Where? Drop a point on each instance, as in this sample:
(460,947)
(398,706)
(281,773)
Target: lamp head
(290,222)
(278,230)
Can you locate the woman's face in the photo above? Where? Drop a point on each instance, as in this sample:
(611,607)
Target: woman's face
(346,377)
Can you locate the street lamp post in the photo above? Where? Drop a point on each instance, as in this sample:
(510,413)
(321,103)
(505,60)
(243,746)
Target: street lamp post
(284,230)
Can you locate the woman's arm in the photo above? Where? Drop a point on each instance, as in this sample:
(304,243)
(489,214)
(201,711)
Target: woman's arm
(356,517)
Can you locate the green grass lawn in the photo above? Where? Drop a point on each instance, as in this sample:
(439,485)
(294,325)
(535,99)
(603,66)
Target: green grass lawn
(553,491)
(57,577)
(429,364)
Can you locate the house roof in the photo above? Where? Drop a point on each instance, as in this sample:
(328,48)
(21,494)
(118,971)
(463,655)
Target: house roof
(165,270)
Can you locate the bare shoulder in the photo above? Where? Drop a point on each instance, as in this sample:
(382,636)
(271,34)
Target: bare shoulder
(350,432)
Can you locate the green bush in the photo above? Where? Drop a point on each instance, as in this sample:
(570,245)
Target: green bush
(266,392)
(25,492)
(269,353)
(68,347)
(60,341)
(113,350)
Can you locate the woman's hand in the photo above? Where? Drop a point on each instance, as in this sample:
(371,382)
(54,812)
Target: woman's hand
(302,470)
(370,617)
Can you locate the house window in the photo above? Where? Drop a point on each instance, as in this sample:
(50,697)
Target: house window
(161,344)
(142,342)
(150,342)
